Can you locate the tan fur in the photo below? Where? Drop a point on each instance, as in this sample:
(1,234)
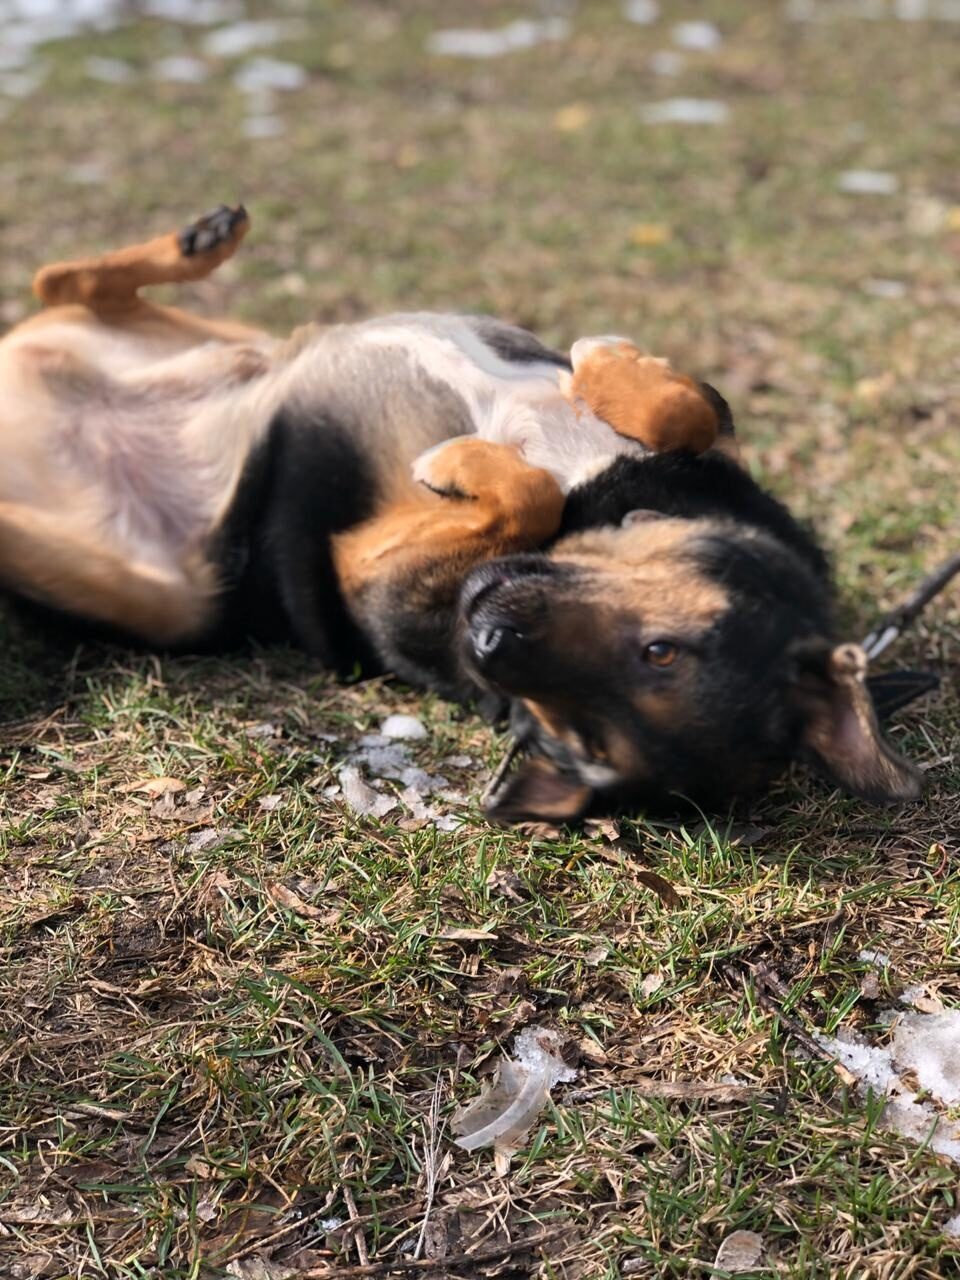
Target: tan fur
(499,504)
(648,570)
(105,355)
(640,396)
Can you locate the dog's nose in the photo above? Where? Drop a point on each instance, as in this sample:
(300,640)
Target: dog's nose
(491,641)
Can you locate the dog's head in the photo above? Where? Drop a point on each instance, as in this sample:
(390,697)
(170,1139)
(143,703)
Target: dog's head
(672,657)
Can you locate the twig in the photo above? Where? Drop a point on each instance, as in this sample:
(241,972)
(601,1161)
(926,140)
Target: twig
(685,1090)
(768,985)
(513,750)
(451,1261)
(432,1130)
(266,1242)
(358,1237)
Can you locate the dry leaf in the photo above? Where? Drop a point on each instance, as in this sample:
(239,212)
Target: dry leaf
(647,235)
(291,901)
(741,1251)
(454,934)
(153,786)
(268,803)
(651,983)
(505,882)
(662,888)
(572,119)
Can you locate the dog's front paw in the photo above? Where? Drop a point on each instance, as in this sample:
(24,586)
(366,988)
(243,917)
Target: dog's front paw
(463,467)
(221,226)
(641,396)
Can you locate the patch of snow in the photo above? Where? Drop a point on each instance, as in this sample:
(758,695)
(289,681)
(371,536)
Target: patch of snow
(269,73)
(868,182)
(685,111)
(927,1044)
(408,727)
(180,69)
(642,12)
(469,42)
(878,958)
(361,797)
(263,126)
(20,84)
(109,70)
(200,13)
(87,174)
(891,289)
(244,37)
(667,63)
(701,36)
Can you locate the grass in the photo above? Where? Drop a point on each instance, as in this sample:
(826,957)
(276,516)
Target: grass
(201,1079)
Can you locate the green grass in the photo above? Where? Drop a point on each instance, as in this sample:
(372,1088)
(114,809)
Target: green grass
(191,1065)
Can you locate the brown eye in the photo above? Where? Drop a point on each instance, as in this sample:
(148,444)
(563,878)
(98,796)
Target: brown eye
(660,654)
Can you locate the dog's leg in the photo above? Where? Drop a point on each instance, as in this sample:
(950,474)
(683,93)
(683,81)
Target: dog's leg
(42,557)
(642,397)
(111,282)
(492,503)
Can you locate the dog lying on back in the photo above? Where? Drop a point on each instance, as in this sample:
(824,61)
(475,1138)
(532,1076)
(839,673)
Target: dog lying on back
(441,497)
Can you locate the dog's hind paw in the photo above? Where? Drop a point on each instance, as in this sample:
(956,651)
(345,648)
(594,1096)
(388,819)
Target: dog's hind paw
(221,226)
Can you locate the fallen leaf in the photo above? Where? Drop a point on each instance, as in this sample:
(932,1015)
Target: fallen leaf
(606,828)
(870,985)
(258,1267)
(154,786)
(647,235)
(571,119)
(662,888)
(291,901)
(651,983)
(453,934)
(505,882)
(741,1251)
(268,803)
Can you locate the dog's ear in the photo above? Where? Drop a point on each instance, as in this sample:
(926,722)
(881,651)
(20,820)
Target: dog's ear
(840,731)
(538,792)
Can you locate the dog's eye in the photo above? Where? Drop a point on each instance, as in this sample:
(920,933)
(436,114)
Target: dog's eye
(661,653)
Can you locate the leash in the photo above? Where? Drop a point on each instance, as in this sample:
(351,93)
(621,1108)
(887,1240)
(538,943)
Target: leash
(893,624)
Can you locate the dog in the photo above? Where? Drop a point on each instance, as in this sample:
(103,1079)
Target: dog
(444,498)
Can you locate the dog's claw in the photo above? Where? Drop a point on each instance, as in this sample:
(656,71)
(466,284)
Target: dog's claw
(215,228)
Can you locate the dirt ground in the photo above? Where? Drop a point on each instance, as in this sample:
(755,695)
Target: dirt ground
(237,1017)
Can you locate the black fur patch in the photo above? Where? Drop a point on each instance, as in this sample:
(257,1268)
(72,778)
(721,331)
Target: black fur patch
(517,345)
(306,482)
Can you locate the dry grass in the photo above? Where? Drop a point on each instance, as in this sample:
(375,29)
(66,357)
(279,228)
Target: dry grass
(225,1021)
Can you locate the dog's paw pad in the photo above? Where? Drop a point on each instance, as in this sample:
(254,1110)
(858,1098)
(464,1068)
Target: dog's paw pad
(218,227)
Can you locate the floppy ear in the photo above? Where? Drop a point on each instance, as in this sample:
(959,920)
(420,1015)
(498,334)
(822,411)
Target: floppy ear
(539,792)
(840,726)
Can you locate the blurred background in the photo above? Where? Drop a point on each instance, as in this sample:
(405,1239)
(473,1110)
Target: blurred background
(768,192)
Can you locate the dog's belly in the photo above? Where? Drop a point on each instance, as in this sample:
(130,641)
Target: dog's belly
(509,401)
